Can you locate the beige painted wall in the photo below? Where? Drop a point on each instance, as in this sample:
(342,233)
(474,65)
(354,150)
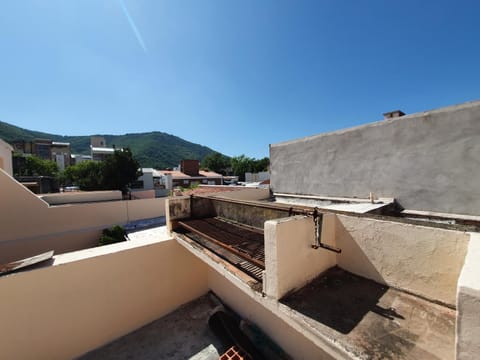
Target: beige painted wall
(143,194)
(468,304)
(423,260)
(6,157)
(81,196)
(74,306)
(29,221)
(145,208)
(290,260)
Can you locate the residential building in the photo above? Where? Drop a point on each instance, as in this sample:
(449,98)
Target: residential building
(46,149)
(189,174)
(60,153)
(78,158)
(98,148)
(162,182)
(152,180)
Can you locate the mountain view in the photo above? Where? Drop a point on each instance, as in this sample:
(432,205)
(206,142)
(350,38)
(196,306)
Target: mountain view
(153,149)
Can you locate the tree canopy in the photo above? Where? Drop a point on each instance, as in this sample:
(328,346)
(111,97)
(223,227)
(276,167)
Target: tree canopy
(242,164)
(34,166)
(216,162)
(116,172)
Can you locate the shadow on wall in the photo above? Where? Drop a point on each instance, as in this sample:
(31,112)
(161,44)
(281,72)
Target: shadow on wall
(353,257)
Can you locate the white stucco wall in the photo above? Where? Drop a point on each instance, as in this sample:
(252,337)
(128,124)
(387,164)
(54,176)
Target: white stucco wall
(290,260)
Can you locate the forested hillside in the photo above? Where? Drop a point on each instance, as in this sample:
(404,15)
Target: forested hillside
(153,149)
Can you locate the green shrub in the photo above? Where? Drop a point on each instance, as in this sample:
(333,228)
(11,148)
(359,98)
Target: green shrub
(113,235)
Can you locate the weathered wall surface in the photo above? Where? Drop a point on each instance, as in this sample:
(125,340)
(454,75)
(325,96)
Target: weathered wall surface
(290,261)
(427,161)
(77,305)
(422,260)
(468,304)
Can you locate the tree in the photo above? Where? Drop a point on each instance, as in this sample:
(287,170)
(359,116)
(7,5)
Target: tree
(240,165)
(34,166)
(120,170)
(261,164)
(88,175)
(216,162)
(116,172)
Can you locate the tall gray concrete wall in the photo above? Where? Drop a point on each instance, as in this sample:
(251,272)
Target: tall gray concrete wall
(428,161)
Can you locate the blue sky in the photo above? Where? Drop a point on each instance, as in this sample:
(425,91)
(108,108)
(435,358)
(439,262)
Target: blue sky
(232,75)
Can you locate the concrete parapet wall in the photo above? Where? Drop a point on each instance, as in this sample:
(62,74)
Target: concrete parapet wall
(89,298)
(427,161)
(423,260)
(290,260)
(142,194)
(81,197)
(29,224)
(468,304)
(145,208)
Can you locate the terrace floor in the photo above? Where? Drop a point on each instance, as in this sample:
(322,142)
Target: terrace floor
(371,321)
(182,334)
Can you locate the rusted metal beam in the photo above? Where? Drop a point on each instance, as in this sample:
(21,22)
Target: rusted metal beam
(241,254)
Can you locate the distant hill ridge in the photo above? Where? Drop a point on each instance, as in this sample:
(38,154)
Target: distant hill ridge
(153,149)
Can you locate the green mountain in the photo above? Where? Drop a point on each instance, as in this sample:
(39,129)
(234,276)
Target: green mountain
(154,149)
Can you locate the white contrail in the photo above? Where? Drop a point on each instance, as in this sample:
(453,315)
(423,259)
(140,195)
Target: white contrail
(132,25)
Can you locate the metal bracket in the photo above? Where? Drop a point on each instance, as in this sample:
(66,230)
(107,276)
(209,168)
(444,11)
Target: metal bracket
(317,220)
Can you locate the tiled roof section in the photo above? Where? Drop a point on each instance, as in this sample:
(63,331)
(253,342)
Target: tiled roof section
(209,173)
(175,173)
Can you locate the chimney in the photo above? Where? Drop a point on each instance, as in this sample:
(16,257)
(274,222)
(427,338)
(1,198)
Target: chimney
(190,167)
(393,114)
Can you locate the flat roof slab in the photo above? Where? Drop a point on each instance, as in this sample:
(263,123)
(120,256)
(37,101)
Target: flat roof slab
(372,321)
(182,334)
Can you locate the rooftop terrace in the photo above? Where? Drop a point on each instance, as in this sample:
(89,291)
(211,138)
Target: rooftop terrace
(326,269)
